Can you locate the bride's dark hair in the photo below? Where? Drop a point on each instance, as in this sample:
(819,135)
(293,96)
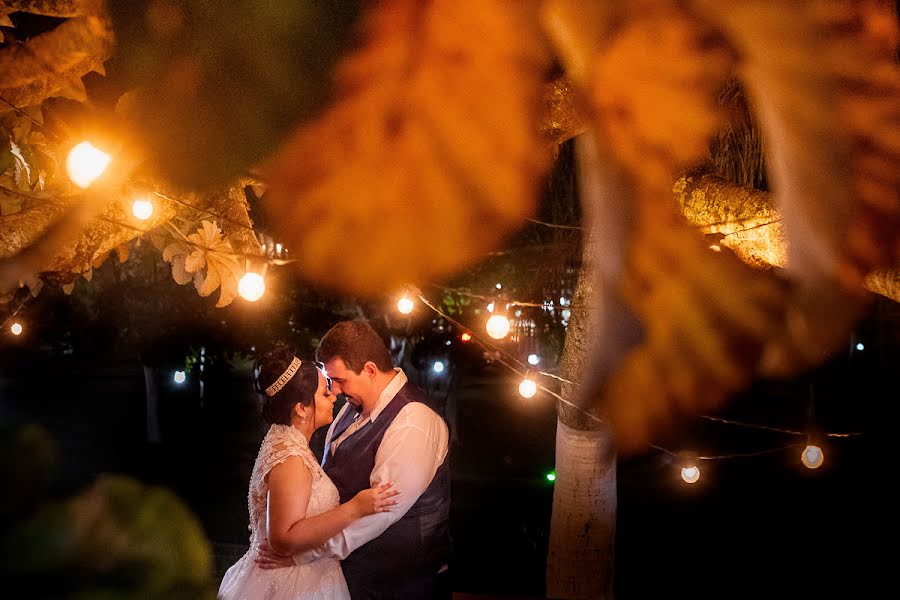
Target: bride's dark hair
(300,388)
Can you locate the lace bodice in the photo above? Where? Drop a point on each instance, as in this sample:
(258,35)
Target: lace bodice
(281,442)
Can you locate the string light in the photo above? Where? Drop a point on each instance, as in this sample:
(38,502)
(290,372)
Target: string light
(689,470)
(528,387)
(16,328)
(497,326)
(812,457)
(86,163)
(179,377)
(860,346)
(142,209)
(252,286)
(551,476)
(405,305)
(438,366)
(690,474)
(534,359)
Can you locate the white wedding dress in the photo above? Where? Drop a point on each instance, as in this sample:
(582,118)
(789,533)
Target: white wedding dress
(320,579)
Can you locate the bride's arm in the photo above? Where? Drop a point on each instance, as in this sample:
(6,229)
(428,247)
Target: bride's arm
(290,487)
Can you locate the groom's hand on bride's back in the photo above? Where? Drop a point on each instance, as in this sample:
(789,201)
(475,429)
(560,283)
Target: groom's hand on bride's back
(267,558)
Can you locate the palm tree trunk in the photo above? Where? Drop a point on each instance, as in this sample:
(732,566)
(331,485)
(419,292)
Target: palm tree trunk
(583,522)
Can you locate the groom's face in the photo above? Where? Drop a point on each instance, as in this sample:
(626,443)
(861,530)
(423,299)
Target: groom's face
(345,381)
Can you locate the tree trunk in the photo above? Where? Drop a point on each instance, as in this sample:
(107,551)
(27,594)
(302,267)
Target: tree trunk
(583,522)
(152,395)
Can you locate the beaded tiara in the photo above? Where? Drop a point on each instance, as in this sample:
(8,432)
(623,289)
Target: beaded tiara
(284,378)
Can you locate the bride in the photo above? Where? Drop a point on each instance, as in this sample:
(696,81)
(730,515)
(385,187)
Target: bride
(292,502)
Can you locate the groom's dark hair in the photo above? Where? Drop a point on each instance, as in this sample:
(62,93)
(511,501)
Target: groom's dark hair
(356,343)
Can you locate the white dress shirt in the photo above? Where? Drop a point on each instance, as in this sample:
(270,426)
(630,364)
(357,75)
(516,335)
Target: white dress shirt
(413,447)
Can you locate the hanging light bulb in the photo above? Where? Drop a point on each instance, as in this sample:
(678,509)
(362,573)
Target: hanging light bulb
(179,377)
(497,326)
(528,388)
(405,305)
(812,457)
(16,328)
(252,286)
(690,474)
(466,336)
(534,359)
(86,163)
(142,209)
(438,366)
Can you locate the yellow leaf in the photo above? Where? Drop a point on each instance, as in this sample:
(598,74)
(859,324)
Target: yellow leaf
(179,274)
(653,90)
(430,154)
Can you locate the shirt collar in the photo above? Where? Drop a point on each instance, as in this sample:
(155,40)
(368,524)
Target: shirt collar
(388,393)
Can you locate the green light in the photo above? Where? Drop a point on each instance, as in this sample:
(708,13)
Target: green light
(551,476)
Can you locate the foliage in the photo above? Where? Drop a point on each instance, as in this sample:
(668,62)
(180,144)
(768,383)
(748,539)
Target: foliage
(444,122)
(117,539)
(207,258)
(216,83)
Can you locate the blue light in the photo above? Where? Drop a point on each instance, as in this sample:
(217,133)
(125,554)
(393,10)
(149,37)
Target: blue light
(860,346)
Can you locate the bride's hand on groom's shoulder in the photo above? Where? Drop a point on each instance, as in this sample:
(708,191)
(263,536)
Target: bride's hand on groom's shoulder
(267,558)
(380,498)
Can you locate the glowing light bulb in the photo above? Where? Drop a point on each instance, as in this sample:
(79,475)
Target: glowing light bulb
(498,286)
(497,326)
(278,248)
(690,474)
(490,307)
(179,377)
(252,286)
(812,457)
(860,346)
(527,388)
(534,359)
(405,305)
(86,163)
(551,476)
(466,336)
(438,366)
(142,209)
(16,328)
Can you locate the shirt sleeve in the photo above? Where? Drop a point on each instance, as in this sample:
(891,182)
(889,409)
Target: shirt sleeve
(413,448)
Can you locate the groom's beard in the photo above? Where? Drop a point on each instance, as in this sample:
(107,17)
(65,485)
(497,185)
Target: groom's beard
(354,407)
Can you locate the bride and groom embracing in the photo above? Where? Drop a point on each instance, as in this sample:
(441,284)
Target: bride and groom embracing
(373,521)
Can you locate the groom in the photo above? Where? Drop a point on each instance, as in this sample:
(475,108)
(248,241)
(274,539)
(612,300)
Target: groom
(387,432)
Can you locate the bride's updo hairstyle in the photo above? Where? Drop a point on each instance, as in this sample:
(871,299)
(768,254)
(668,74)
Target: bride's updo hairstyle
(301,387)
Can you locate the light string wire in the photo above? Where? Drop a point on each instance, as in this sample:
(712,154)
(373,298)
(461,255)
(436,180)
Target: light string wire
(730,455)
(499,352)
(519,365)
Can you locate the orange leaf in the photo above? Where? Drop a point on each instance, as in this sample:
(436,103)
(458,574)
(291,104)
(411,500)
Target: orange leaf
(430,154)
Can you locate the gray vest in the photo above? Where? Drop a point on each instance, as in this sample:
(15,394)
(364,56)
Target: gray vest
(419,543)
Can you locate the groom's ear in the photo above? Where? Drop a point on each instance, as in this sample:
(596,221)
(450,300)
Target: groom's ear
(370,369)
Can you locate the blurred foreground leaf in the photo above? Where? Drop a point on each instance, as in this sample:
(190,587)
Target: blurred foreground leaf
(118,539)
(220,82)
